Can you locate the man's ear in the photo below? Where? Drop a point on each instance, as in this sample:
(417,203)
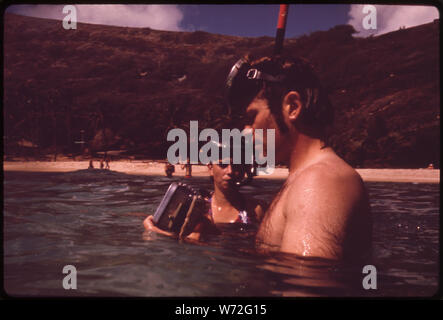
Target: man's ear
(292,105)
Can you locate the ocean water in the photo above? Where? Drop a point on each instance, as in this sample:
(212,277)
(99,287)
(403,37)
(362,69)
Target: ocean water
(92,220)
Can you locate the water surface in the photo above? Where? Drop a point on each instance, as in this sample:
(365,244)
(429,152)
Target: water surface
(93,220)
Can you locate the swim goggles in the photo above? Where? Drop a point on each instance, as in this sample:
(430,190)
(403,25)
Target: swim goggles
(244,82)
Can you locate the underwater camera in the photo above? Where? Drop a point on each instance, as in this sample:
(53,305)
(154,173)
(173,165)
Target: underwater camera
(178,204)
(182,205)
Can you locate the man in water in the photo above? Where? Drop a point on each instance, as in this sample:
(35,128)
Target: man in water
(322,210)
(169,169)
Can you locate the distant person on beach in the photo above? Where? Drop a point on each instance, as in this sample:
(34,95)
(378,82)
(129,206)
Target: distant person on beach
(101,164)
(169,169)
(107,160)
(188,169)
(91,165)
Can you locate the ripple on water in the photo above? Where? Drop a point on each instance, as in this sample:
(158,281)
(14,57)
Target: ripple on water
(86,196)
(113,188)
(84,218)
(149,190)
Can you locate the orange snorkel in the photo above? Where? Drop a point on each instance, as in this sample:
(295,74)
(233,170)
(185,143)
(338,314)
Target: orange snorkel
(281,27)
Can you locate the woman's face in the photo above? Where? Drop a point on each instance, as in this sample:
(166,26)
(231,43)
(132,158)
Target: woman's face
(225,175)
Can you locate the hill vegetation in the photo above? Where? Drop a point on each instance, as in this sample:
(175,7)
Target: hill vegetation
(127,87)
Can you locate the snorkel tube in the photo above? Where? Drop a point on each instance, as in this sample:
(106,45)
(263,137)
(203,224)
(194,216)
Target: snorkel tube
(244,81)
(281,28)
(238,82)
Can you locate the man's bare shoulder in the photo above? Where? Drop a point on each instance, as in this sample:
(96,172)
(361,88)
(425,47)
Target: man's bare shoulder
(322,203)
(329,169)
(330,181)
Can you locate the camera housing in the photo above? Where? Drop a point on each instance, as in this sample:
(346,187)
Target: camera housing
(177,206)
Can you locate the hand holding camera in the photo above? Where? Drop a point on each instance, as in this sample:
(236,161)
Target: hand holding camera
(182,213)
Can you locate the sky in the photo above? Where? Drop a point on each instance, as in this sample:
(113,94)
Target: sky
(241,20)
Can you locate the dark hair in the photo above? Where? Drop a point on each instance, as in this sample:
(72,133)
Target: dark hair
(317,113)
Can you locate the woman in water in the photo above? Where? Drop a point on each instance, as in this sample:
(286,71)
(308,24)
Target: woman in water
(226,204)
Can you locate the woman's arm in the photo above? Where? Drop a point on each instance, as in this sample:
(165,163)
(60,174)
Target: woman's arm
(205,227)
(150,226)
(258,208)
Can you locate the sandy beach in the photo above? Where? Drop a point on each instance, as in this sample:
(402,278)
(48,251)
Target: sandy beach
(150,167)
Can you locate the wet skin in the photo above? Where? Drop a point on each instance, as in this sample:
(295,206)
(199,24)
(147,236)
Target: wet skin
(227,200)
(322,210)
(226,203)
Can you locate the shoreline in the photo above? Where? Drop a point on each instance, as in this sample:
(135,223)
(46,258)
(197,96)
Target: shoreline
(150,167)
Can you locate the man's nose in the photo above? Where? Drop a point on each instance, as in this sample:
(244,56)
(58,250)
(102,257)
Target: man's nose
(251,130)
(229,169)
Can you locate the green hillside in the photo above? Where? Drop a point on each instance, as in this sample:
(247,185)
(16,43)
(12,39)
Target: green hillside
(136,84)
